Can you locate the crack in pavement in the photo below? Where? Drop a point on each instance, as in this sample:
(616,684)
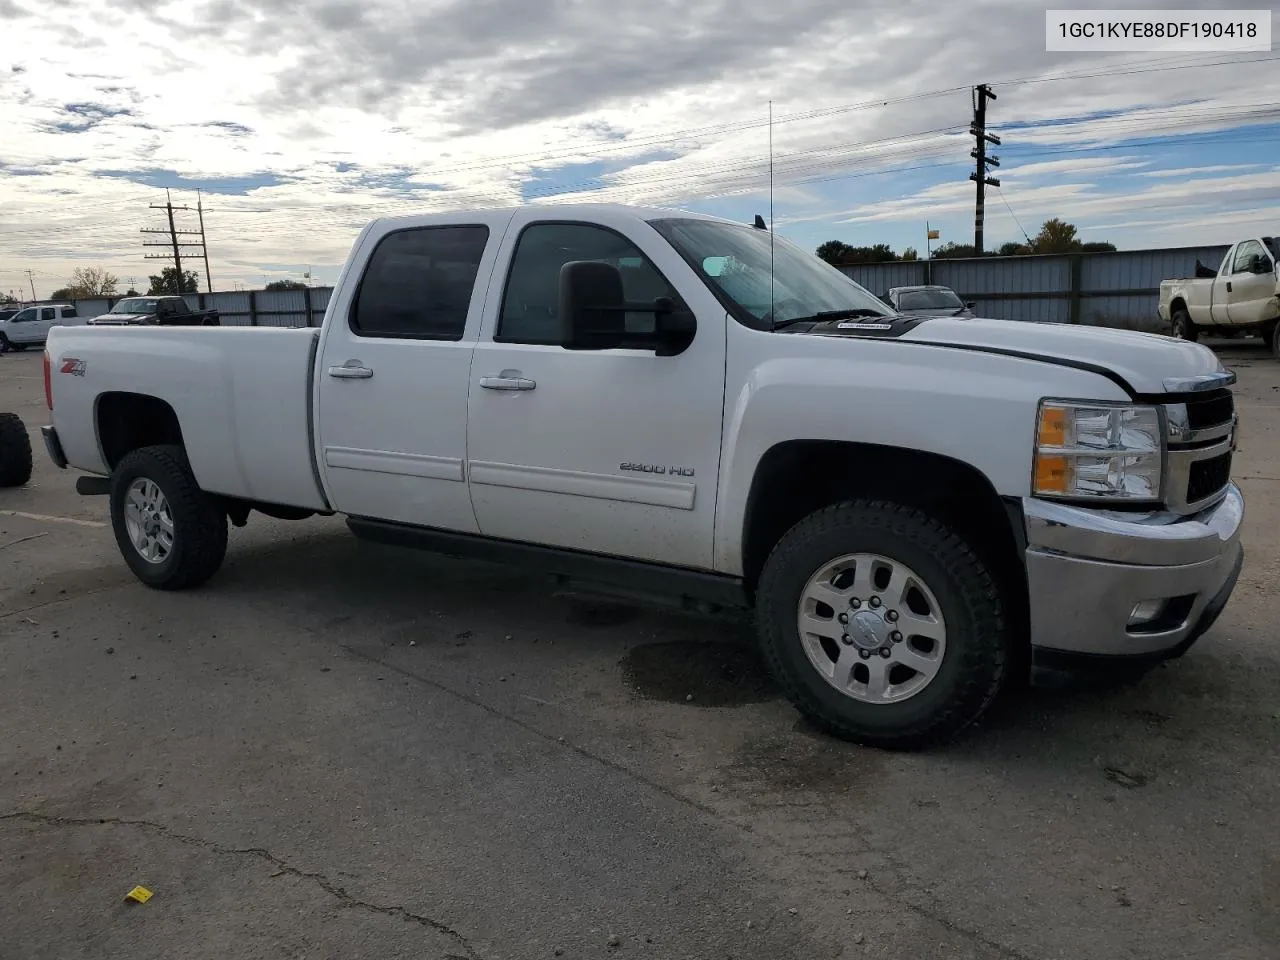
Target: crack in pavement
(944,921)
(282,867)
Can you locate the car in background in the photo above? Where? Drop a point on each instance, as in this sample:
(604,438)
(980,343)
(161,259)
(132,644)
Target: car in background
(930,300)
(29,327)
(155,311)
(1241,297)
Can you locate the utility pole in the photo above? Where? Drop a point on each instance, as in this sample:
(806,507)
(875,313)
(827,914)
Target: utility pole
(204,247)
(978,130)
(173,242)
(31,281)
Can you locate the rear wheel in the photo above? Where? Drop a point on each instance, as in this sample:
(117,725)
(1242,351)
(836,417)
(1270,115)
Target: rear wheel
(882,625)
(1273,340)
(15,451)
(170,532)
(1183,328)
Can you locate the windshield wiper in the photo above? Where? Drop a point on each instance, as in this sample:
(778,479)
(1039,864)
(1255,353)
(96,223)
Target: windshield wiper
(847,314)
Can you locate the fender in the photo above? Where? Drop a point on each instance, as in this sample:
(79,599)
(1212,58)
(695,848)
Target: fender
(975,407)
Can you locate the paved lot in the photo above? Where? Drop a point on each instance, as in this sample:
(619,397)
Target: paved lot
(337,750)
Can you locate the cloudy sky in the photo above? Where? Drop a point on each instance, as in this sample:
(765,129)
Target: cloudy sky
(302,119)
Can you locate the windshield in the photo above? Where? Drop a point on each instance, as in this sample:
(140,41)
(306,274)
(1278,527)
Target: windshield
(929,300)
(735,262)
(135,305)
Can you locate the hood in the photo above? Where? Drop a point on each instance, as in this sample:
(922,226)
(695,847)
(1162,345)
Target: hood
(1144,361)
(121,318)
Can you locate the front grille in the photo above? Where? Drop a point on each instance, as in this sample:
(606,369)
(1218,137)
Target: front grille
(1210,411)
(1207,477)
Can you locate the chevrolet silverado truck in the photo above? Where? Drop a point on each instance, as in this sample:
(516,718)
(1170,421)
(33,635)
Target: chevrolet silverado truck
(917,508)
(155,311)
(1243,297)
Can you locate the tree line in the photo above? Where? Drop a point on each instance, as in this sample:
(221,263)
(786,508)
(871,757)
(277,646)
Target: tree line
(93,283)
(1055,236)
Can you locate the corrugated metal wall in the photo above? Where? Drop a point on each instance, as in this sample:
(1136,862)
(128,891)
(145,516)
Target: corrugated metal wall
(1114,289)
(264,308)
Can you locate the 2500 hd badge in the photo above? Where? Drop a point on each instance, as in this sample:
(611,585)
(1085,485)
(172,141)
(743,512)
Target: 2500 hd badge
(656,468)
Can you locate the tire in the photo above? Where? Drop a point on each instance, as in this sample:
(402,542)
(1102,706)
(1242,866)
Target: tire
(1183,328)
(15,451)
(969,665)
(196,527)
(5,344)
(1273,340)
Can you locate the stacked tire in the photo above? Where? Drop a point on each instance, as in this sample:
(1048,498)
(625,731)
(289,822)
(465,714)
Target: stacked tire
(15,451)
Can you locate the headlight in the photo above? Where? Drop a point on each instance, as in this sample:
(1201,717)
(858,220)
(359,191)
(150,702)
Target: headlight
(1097,450)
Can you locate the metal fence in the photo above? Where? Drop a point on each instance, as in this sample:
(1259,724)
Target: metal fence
(1098,289)
(244,308)
(1119,289)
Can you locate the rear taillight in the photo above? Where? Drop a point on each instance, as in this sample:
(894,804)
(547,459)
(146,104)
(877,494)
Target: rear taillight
(48,382)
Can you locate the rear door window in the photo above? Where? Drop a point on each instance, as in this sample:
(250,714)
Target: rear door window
(419,283)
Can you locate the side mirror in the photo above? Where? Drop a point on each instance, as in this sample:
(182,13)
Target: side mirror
(1261,264)
(592,314)
(593,311)
(970,304)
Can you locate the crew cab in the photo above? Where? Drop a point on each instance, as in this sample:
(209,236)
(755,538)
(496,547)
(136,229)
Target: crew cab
(155,311)
(1244,296)
(678,406)
(30,326)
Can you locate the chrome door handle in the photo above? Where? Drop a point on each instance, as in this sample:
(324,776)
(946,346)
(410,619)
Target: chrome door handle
(506,383)
(351,370)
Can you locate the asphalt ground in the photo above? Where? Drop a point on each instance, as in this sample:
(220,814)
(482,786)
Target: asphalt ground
(341,750)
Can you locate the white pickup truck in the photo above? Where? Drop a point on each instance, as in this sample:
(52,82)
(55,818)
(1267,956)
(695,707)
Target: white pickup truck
(1243,297)
(30,326)
(680,406)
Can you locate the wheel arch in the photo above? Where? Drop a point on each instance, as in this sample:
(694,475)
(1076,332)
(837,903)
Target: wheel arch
(125,421)
(796,478)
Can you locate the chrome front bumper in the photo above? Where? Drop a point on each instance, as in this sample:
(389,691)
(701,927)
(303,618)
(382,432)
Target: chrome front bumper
(1088,569)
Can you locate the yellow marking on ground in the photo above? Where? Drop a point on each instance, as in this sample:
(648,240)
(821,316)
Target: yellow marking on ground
(41,516)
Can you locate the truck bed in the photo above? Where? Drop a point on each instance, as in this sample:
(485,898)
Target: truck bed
(242,396)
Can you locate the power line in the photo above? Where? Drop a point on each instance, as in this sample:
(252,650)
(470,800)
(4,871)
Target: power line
(1000,193)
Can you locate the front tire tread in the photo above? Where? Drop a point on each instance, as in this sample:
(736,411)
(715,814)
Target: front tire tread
(982,667)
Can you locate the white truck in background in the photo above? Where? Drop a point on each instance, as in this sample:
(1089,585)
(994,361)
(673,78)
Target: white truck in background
(680,406)
(30,326)
(1244,296)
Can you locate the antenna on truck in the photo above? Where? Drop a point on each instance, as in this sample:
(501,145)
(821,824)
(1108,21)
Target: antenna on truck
(772,305)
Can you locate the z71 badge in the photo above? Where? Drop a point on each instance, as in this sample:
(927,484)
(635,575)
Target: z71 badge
(656,468)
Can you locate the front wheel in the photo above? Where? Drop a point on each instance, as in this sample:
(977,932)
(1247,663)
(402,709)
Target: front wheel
(170,532)
(1183,328)
(882,625)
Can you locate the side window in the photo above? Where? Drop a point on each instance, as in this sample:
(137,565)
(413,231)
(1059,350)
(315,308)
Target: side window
(1244,256)
(69,312)
(419,282)
(47,313)
(530,303)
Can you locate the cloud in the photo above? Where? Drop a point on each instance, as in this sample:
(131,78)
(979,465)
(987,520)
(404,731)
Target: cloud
(1205,170)
(312,116)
